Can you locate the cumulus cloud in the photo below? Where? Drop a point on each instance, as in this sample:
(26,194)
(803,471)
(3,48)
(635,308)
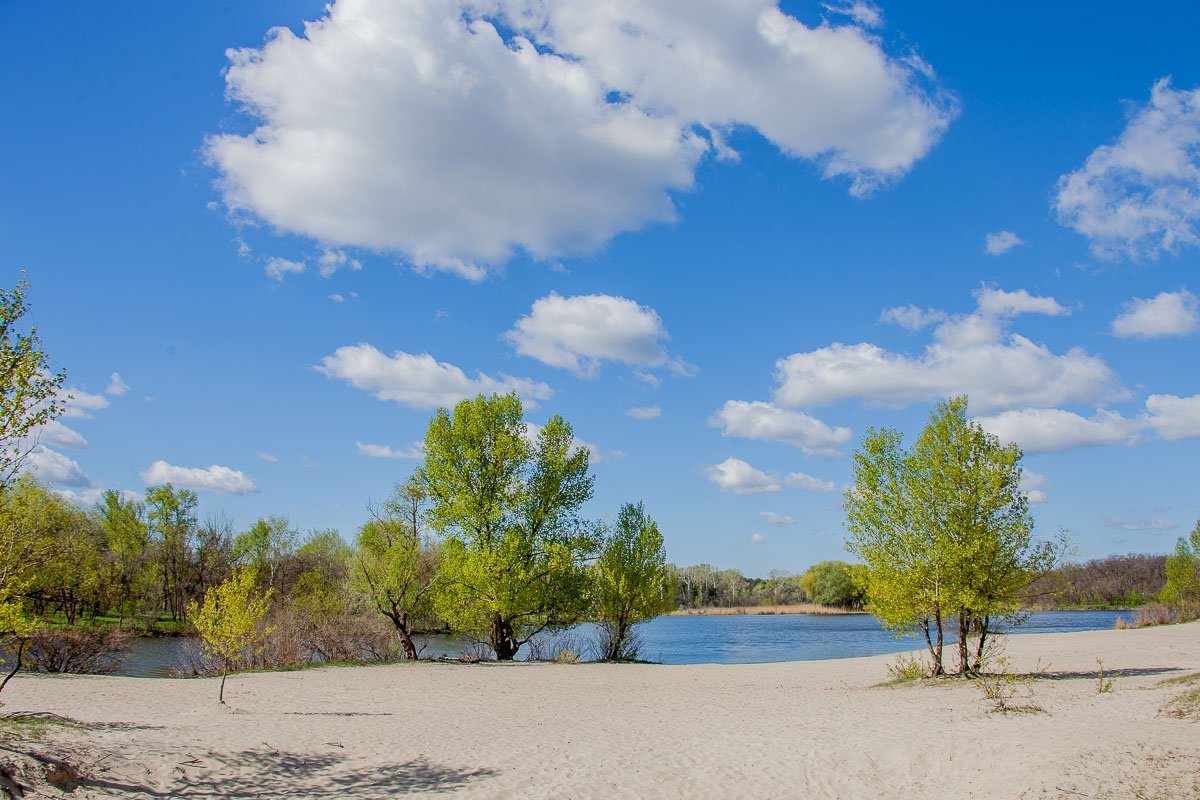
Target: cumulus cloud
(757,538)
(215,478)
(56,469)
(116,385)
(459,132)
(759,420)
(808,483)
(973,353)
(59,435)
(735,475)
(383,451)
(79,404)
(1153,524)
(912,318)
(1167,314)
(1140,196)
(778,520)
(578,333)
(330,261)
(1173,417)
(999,243)
(419,381)
(643,412)
(278,268)
(865,14)
(1034,486)
(337,298)
(1045,430)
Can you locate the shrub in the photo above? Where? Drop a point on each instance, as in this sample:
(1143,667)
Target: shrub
(566,656)
(93,651)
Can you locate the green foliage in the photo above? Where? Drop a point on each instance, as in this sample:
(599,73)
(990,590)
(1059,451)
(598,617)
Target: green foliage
(630,580)
(394,565)
(832,583)
(171,516)
(944,530)
(265,546)
(514,544)
(1183,571)
(29,392)
(229,620)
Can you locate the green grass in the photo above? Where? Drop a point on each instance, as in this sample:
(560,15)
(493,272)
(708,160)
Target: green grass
(21,726)
(1180,680)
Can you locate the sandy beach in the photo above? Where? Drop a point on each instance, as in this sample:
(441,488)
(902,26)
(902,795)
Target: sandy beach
(820,729)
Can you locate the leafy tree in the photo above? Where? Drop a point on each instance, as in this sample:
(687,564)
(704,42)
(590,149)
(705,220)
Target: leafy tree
(229,620)
(266,546)
(30,395)
(23,549)
(944,530)
(831,583)
(1183,571)
(515,546)
(123,523)
(631,582)
(171,515)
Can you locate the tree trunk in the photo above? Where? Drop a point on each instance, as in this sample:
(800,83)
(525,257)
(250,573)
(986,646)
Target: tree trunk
(984,624)
(221,691)
(21,644)
(503,641)
(964,650)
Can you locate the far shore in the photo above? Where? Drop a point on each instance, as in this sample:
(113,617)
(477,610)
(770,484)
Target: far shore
(794,608)
(1104,714)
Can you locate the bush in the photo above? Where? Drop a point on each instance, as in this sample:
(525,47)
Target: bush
(90,651)
(832,583)
(566,656)
(1160,614)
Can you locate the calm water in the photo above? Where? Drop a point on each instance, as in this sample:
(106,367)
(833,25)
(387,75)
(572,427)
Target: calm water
(708,640)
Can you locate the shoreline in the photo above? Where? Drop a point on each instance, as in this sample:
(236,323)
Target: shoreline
(825,729)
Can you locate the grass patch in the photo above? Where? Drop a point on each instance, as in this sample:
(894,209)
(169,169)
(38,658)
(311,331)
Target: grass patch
(22,726)
(1180,680)
(1184,706)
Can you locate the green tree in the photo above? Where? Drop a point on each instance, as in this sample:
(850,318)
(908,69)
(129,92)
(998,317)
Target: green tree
(123,522)
(944,530)
(831,583)
(631,582)
(229,620)
(30,395)
(1183,571)
(266,546)
(514,548)
(22,552)
(171,515)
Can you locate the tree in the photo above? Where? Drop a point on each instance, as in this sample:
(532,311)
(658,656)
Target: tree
(515,547)
(831,583)
(21,556)
(229,620)
(267,544)
(30,395)
(123,522)
(944,530)
(1183,571)
(631,582)
(171,514)
(395,565)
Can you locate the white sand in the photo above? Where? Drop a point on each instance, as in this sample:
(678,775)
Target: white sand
(805,730)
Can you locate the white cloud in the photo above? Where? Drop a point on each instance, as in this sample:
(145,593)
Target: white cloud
(277,268)
(215,478)
(1153,524)
(116,385)
(779,520)
(1140,196)
(330,261)
(79,404)
(643,412)
(59,435)
(383,451)
(270,458)
(1034,485)
(757,538)
(911,318)
(56,469)
(577,333)
(85,497)
(337,298)
(808,483)
(999,243)
(1045,430)
(1168,314)
(1173,417)
(420,127)
(735,475)
(972,354)
(759,420)
(866,14)
(419,381)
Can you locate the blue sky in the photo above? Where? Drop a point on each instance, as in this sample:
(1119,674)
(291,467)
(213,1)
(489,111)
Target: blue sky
(720,241)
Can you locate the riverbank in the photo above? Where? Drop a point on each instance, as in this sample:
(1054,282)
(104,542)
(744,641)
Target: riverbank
(813,729)
(795,608)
